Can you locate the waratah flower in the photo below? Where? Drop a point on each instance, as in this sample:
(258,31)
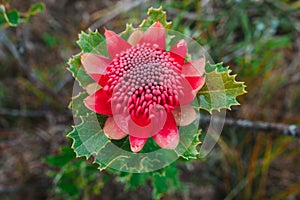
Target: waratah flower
(145,90)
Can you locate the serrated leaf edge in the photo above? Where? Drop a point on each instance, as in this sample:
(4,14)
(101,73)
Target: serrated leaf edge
(234,81)
(73,143)
(198,134)
(168,24)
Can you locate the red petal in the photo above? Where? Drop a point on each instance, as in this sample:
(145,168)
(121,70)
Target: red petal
(184,115)
(194,73)
(135,37)
(136,144)
(187,94)
(179,51)
(194,67)
(158,116)
(122,121)
(94,65)
(140,120)
(155,123)
(168,137)
(99,102)
(155,34)
(139,131)
(112,130)
(115,44)
(196,82)
(103,80)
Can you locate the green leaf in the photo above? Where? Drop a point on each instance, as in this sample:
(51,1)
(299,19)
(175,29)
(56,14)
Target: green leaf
(72,190)
(65,156)
(133,180)
(137,180)
(220,90)
(88,137)
(35,9)
(189,140)
(115,157)
(125,34)
(160,186)
(13,17)
(166,181)
(219,67)
(150,146)
(155,14)
(163,181)
(189,148)
(92,42)
(78,72)
(116,153)
(78,107)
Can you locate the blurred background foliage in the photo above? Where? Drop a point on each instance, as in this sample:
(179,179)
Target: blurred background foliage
(259,39)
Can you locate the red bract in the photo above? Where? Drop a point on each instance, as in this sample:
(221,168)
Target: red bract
(145,90)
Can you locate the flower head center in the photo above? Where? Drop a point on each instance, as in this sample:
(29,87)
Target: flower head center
(142,77)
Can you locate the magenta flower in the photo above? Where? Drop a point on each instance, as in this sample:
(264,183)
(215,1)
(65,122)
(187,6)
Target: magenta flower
(145,91)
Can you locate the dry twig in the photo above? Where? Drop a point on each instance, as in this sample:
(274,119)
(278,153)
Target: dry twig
(279,128)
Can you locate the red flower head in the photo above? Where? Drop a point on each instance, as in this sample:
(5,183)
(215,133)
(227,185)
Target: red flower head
(146,90)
